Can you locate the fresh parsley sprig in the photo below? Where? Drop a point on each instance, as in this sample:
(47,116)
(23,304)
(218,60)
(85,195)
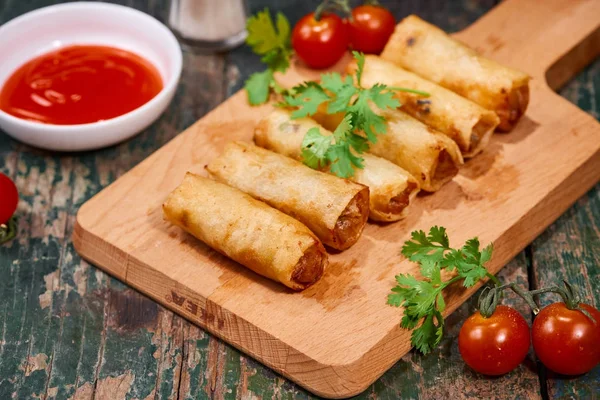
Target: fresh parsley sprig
(337,151)
(347,95)
(423,300)
(272,42)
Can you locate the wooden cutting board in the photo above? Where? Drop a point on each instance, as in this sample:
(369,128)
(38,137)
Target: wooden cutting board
(339,336)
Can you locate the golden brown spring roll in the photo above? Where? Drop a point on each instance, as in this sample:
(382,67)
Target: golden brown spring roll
(391,188)
(430,52)
(463,121)
(335,209)
(432,158)
(248,231)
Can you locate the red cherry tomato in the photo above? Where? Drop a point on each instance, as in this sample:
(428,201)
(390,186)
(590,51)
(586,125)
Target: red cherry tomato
(320,44)
(371,28)
(567,341)
(9,198)
(494,345)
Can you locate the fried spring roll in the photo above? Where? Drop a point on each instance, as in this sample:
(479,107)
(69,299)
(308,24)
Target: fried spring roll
(463,121)
(248,231)
(432,158)
(391,188)
(430,52)
(335,209)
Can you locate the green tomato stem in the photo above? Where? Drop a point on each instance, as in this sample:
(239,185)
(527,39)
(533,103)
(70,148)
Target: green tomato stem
(415,91)
(340,5)
(9,230)
(493,279)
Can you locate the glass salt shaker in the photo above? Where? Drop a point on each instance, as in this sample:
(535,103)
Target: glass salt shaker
(209,25)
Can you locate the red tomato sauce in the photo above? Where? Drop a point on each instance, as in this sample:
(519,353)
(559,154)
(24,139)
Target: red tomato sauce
(79,85)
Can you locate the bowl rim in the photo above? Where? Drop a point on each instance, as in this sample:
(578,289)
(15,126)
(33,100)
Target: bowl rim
(166,90)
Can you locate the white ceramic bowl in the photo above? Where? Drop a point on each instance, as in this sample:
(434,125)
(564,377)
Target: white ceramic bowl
(49,28)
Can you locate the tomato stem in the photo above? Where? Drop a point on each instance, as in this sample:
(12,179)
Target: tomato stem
(569,296)
(9,230)
(328,5)
(489,299)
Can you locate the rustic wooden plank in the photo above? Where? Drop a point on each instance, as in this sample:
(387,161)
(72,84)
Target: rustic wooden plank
(570,248)
(81,338)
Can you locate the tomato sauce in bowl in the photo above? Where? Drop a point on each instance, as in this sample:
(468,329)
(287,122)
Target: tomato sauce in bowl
(80,84)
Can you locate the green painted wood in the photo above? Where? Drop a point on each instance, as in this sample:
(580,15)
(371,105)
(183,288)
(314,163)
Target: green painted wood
(570,248)
(70,331)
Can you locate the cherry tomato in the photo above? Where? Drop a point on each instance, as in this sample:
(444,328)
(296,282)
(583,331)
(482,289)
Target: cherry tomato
(494,345)
(567,341)
(320,44)
(9,198)
(371,28)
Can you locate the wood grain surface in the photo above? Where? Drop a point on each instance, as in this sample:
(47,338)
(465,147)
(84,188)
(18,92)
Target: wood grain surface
(70,331)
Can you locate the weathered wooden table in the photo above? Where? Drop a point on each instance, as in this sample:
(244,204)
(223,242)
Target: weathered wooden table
(70,331)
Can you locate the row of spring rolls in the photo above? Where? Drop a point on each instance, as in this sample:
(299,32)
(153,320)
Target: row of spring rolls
(266,210)
(430,52)
(307,207)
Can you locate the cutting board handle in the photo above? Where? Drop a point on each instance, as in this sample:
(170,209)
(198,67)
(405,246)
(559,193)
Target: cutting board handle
(549,39)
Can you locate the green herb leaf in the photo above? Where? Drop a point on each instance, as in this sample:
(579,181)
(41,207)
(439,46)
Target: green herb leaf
(382,97)
(263,37)
(428,250)
(424,299)
(258,86)
(344,94)
(314,148)
(360,62)
(307,98)
(273,44)
(429,335)
(341,160)
(277,60)
(342,89)
(469,262)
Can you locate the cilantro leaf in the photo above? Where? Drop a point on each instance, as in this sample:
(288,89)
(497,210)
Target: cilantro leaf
(342,89)
(307,97)
(423,300)
(341,156)
(429,335)
(382,97)
(283,26)
(319,150)
(277,60)
(469,262)
(367,120)
(341,160)
(272,42)
(257,87)
(428,250)
(360,62)
(342,94)
(262,35)
(358,143)
(343,129)
(314,148)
